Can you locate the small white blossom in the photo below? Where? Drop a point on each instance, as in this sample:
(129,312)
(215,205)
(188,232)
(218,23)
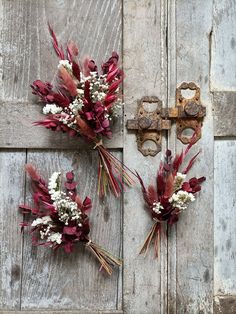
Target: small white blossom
(80,91)
(41,221)
(181,199)
(56,195)
(94,73)
(98,86)
(54,185)
(67,209)
(55,237)
(157,207)
(116,108)
(179,179)
(42,234)
(51,108)
(66,64)
(76,106)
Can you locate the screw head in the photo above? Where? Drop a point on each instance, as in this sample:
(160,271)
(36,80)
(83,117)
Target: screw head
(144,122)
(191,109)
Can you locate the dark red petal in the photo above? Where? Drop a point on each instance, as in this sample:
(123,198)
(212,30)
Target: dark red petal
(186,187)
(70,175)
(202,179)
(76,70)
(193,182)
(68,247)
(70,186)
(69,230)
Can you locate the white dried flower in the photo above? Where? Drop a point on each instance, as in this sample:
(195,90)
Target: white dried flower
(94,73)
(80,91)
(51,108)
(76,106)
(116,108)
(55,237)
(67,209)
(54,185)
(157,207)
(181,199)
(66,64)
(42,234)
(179,179)
(41,221)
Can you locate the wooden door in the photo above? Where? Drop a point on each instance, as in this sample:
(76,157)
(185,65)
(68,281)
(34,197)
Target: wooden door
(161,43)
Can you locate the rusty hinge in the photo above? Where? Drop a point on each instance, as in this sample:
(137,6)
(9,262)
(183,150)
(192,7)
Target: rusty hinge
(188,114)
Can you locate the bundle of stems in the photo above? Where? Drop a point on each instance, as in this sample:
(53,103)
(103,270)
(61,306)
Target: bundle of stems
(153,235)
(112,174)
(105,258)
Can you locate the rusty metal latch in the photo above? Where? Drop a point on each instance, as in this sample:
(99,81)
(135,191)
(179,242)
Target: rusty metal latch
(187,113)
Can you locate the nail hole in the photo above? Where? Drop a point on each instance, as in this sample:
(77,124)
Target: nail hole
(150,106)
(188,93)
(149,145)
(188,132)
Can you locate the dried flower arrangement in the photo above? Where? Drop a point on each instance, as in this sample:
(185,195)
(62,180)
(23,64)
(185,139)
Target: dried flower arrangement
(171,196)
(84,103)
(61,218)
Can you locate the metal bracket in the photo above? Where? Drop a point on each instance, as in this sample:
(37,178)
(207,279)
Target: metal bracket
(188,114)
(149,125)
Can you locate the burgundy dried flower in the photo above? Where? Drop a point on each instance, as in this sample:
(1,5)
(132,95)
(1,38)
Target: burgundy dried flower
(84,103)
(172,194)
(61,219)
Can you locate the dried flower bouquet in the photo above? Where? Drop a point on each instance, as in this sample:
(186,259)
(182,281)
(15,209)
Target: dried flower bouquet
(61,217)
(171,196)
(84,103)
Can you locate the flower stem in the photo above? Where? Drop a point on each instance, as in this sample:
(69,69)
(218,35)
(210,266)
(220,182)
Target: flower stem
(105,258)
(154,234)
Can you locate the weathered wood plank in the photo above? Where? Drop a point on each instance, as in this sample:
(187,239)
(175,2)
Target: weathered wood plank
(26,48)
(145,67)
(55,280)
(62,312)
(16,119)
(172,81)
(27,54)
(223,61)
(190,286)
(12,194)
(225,217)
(225,304)
(224,105)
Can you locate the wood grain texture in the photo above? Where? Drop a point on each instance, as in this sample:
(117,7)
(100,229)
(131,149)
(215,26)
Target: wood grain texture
(225,304)
(17,119)
(55,280)
(225,216)
(62,312)
(172,81)
(145,68)
(190,249)
(12,194)
(224,105)
(27,54)
(26,48)
(223,61)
